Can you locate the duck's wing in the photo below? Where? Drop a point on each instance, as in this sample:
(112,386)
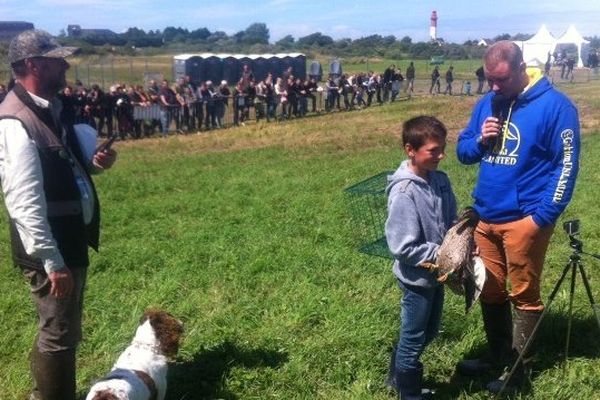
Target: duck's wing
(474,279)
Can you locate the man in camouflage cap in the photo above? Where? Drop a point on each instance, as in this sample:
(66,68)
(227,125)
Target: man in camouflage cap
(51,202)
(36,43)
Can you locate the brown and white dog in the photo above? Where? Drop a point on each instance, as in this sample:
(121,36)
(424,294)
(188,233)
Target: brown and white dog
(140,373)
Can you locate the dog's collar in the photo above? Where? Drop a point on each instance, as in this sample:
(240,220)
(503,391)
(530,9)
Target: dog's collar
(147,379)
(121,373)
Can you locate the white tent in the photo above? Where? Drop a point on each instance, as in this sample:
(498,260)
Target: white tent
(536,49)
(543,36)
(571,36)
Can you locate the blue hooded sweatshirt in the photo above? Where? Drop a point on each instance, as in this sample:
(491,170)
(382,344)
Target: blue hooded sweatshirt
(533,167)
(420,212)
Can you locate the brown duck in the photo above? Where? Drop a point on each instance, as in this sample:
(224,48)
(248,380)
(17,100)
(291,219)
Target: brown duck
(455,263)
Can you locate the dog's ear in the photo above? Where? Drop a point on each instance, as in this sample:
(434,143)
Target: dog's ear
(167,328)
(148,314)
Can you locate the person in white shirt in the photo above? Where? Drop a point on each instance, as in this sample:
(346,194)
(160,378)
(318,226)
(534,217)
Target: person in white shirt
(52,204)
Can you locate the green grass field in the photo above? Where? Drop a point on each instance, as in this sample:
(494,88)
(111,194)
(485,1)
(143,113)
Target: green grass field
(246,236)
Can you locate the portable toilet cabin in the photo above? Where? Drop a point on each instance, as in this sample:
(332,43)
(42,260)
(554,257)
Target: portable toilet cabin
(286,62)
(276,67)
(188,64)
(315,71)
(231,68)
(260,66)
(335,68)
(298,62)
(212,68)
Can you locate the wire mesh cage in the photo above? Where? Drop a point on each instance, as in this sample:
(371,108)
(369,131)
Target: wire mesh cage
(367,203)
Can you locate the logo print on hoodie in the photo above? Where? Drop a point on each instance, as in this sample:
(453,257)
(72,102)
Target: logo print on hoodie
(508,152)
(567,139)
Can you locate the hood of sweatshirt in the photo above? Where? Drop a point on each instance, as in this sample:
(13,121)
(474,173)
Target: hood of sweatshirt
(536,87)
(403,173)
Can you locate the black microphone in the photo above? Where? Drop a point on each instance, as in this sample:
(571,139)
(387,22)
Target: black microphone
(498,104)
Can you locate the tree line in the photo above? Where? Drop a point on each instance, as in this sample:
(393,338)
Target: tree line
(256,39)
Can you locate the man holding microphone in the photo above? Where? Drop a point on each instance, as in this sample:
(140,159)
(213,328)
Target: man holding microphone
(525,137)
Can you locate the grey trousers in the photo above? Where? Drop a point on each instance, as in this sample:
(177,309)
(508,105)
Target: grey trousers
(59,320)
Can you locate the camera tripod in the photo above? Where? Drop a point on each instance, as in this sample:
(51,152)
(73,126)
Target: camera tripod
(573,265)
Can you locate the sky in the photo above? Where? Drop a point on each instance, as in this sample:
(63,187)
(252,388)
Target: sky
(458,20)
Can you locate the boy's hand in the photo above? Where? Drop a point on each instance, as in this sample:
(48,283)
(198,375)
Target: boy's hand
(428,265)
(434,269)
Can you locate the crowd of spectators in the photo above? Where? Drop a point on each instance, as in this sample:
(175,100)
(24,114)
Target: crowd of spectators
(135,111)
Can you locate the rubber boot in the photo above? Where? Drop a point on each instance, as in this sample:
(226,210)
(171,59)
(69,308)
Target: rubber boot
(497,323)
(390,380)
(409,382)
(35,394)
(524,323)
(54,375)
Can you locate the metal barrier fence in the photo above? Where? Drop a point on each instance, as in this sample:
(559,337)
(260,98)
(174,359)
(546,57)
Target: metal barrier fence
(146,112)
(202,116)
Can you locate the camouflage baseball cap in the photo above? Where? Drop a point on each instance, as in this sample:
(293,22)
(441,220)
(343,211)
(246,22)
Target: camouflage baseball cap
(36,43)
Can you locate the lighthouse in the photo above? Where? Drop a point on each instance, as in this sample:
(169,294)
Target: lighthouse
(433,26)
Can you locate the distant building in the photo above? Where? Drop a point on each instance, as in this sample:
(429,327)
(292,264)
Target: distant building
(77,31)
(10,29)
(485,42)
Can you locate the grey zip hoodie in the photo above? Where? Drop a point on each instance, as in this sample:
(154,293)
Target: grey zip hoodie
(419,214)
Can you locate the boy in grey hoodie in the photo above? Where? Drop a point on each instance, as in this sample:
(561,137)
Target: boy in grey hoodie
(421,208)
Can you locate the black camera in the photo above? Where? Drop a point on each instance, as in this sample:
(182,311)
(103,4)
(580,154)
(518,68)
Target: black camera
(571,227)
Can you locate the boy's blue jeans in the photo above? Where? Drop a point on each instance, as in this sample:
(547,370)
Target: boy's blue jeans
(420,322)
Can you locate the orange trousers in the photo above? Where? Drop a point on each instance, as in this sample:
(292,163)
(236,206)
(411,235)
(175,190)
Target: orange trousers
(513,251)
